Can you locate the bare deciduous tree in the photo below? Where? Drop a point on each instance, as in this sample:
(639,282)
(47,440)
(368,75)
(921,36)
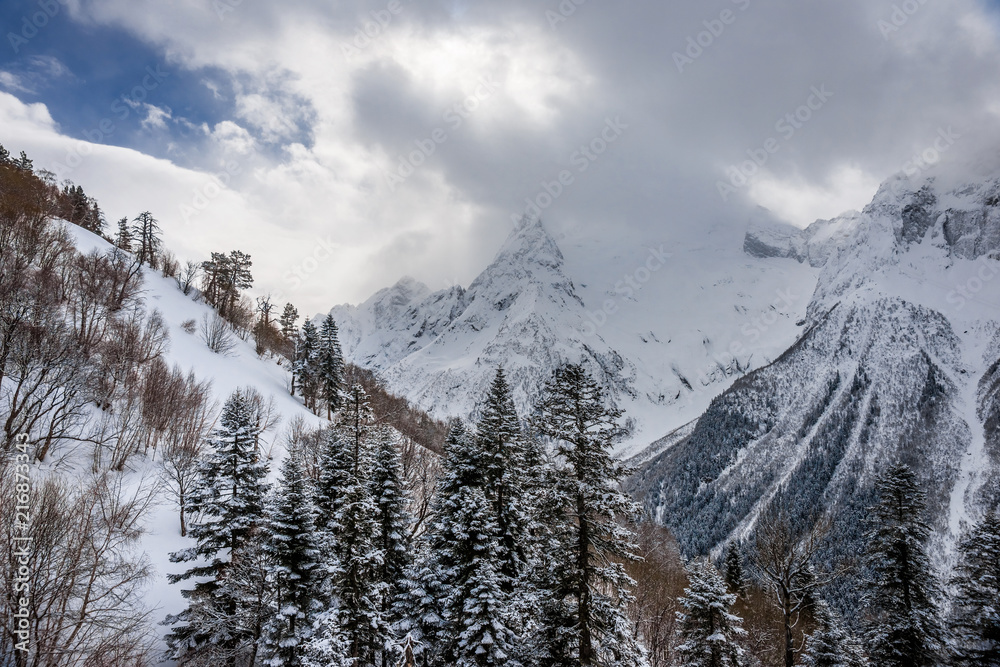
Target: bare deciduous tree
(217,334)
(783,563)
(85,573)
(660,581)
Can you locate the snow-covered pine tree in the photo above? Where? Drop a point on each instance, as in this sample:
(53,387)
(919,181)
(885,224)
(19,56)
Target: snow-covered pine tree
(304,372)
(330,366)
(229,501)
(975,621)
(329,646)
(502,451)
(289,316)
(392,516)
(587,595)
(357,587)
(355,527)
(831,644)
(707,631)
(733,565)
(336,466)
(354,422)
(479,629)
(422,608)
(904,628)
(291,544)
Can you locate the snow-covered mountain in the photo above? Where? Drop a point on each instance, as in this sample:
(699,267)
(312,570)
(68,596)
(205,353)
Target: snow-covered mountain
(899,359)
(664,325)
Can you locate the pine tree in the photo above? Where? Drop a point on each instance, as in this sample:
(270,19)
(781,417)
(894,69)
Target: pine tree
(708,632)
(392,517)
(329,647)
(23,163)
(329,366)
(502,452)
(294,570)
(904,629)
(229,501)
(478,625)
(289,316)
(344,494)
(422,610)
(304,372)
(831,645)
(584,606)
(336,466)
(354,422)
(361,617)
(123,239)
(976,606)
(735,578)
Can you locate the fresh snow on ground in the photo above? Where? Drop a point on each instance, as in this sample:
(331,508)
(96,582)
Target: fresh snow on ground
(242,368)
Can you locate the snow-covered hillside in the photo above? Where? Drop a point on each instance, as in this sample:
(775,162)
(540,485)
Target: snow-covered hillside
(898,361)
(241,368)
(664,325)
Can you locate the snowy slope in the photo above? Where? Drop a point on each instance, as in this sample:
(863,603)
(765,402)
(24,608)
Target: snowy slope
(898,360)
(664,325)
(241,369)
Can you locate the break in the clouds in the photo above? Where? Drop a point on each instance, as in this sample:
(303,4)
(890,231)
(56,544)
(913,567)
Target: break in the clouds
(345,146)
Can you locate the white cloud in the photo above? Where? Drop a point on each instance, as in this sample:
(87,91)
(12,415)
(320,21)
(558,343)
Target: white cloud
(312,132)
(13,82)
(156,117)
(801,202)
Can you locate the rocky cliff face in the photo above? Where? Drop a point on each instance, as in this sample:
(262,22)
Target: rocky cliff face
(899,360)
(663,327)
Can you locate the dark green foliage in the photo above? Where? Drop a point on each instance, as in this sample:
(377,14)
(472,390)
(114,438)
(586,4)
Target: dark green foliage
(502,450)
(329,366)
(224,277)
(583,597)
(975,618)
(831,645)
(229,501)
(904,628)
(393,519)
(293,568)
(708,633)
(733,569)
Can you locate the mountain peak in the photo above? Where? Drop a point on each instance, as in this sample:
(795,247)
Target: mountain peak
(529,243)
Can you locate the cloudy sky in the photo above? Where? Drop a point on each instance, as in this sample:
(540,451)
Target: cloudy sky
(345,144)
